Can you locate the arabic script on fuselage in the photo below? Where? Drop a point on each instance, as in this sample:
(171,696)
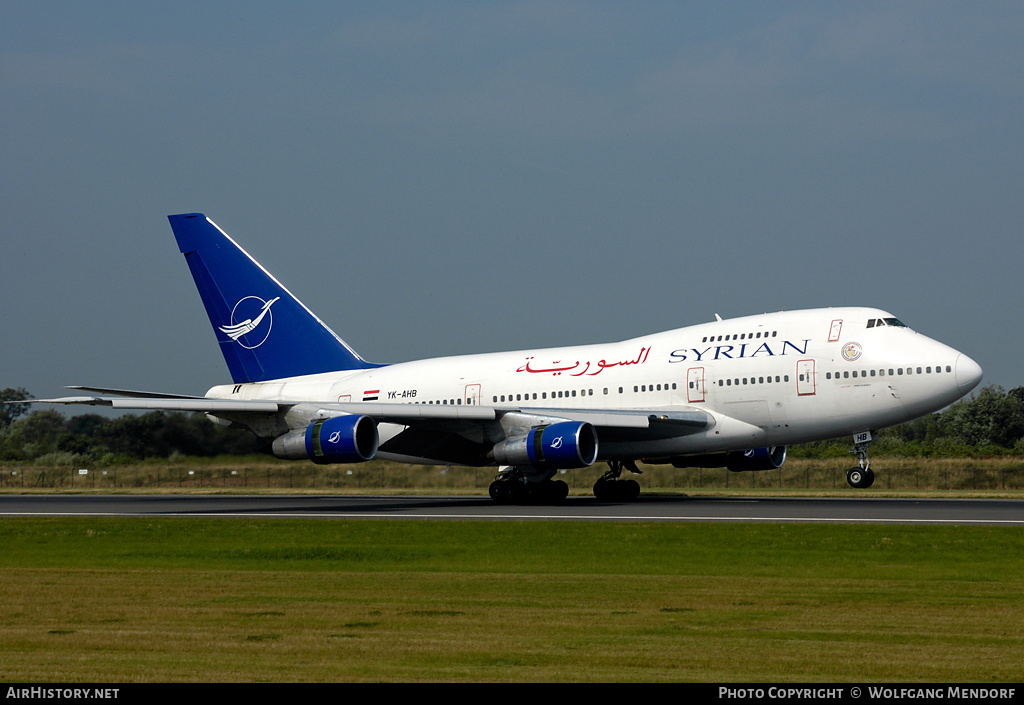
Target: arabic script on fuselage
(580,367)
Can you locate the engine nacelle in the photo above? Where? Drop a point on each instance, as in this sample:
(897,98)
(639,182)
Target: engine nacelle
(569,444)
(339,439)
(757,459)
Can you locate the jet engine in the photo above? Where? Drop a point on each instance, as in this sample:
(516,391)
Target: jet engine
(564,445)
(339,439)
(770,458)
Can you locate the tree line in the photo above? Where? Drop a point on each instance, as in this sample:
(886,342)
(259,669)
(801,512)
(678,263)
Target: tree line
(989,422)
(27,434)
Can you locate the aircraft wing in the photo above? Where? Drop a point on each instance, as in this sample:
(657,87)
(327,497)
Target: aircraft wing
(458,434)
(682,418)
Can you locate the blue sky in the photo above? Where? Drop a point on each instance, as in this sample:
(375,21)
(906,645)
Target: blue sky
(448,177)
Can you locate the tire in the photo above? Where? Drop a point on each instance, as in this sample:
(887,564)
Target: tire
(854,477)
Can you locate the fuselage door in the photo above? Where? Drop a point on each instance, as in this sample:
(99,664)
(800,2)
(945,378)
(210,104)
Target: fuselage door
(695,384)
(472,394)
(833,333)
(805,377)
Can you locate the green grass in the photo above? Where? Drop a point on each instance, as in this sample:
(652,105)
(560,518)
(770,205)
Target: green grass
(1003,475)
(281,600)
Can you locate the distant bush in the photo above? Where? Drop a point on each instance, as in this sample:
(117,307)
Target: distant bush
(97,440)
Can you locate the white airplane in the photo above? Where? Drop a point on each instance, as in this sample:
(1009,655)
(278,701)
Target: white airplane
(730,393)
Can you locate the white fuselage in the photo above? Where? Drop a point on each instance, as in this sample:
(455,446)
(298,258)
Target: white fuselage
(767,380)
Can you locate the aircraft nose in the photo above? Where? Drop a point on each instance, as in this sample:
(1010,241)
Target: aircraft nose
(968,373)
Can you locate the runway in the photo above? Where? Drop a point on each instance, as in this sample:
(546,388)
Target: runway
(994,512)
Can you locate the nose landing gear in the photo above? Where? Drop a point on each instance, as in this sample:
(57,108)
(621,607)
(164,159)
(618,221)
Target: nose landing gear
(861,477)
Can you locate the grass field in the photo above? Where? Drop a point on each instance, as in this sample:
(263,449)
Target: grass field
(231,600)
(897,474)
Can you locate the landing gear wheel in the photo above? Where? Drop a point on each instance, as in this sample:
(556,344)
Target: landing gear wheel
(860,478)
(855,477)
(611,489)
(500,491)
(554,491)
(632,490)
(515,492)
(616,490)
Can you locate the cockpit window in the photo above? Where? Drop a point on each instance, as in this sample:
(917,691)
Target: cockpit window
(895,322)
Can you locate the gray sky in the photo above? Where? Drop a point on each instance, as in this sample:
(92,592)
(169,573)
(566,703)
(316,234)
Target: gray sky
(439,178)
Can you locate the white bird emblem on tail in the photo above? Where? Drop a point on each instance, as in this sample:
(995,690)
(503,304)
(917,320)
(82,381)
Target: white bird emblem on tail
(237,330)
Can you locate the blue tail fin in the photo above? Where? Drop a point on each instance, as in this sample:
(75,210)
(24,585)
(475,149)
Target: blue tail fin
(264,332)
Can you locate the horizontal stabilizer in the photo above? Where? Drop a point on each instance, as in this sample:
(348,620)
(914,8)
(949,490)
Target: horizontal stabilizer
(171,403)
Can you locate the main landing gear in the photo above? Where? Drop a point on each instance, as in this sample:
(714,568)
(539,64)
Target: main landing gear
(861,477)
(610,488)
(515,485)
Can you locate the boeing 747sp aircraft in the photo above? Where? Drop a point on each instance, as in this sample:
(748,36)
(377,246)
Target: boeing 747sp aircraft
(730,393)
